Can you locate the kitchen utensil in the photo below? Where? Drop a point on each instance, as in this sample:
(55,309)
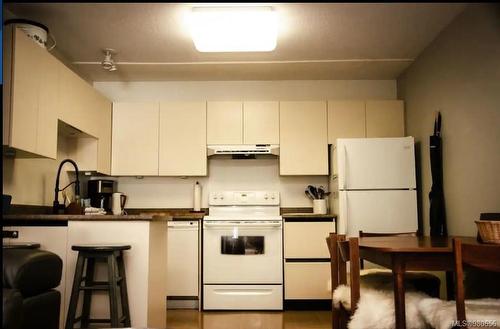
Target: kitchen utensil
(309,195)
(321,192)
(313,191)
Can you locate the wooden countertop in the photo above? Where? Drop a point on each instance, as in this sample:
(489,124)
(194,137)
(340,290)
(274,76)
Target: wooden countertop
(50,217)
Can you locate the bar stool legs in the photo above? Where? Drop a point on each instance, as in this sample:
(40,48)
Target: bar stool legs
(123,292)
(116,286)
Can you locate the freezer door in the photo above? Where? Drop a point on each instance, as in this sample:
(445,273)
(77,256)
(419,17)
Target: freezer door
(376,163)
(377,211)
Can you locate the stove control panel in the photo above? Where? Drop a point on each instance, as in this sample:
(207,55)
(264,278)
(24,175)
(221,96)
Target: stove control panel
(241,198)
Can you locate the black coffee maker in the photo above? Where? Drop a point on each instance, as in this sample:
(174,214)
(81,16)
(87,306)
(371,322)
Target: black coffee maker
(100,192)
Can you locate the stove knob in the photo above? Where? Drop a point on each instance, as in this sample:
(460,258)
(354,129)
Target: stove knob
(272,196)
(215,197)
(221,197)
(266,196)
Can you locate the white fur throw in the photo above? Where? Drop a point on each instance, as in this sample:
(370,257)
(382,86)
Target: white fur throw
(441,314)
(376,308)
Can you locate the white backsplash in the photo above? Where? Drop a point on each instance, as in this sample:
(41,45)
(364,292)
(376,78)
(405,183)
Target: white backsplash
(224,174)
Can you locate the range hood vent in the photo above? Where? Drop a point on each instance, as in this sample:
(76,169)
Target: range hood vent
(245,150)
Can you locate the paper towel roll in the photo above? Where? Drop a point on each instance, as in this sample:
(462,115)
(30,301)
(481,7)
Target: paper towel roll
(197,197)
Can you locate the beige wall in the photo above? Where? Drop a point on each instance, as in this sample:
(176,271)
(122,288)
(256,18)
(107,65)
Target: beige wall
(459,75)
(248,90)
(32,181)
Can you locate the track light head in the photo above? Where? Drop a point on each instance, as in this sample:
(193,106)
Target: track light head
(108,63)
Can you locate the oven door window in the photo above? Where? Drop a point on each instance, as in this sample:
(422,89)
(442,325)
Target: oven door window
(242,245)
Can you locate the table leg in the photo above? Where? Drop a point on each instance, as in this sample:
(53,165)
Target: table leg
(450,285)
(398,271)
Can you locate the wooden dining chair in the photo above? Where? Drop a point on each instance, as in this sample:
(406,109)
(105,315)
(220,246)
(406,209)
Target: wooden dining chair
(486,257)
(341,252)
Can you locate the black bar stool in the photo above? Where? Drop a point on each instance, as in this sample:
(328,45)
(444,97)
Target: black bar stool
(113,255)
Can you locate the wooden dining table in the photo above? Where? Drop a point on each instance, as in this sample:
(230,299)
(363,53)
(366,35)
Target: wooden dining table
(408,253)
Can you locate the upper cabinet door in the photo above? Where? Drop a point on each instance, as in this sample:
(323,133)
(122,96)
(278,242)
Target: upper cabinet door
(261,122)
(183,139)
(48,107)
(385,118)
(26,81)
(105,109)
(224,123)
(303,138)
(135,139)
(346,119)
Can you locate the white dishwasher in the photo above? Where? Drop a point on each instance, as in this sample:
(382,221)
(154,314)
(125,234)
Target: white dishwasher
(183,264)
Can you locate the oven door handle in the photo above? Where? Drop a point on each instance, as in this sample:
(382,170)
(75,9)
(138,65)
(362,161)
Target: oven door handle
(260,225)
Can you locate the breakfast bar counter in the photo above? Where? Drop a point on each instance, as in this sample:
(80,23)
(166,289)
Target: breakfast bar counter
(145,262)
(52,217)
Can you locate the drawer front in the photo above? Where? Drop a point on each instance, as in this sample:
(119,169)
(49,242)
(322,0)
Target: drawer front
(308,281)
(243,297)
(307,239)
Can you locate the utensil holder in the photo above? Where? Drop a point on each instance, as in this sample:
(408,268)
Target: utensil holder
(319,206)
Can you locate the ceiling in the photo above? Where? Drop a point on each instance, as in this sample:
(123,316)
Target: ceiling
(316,41)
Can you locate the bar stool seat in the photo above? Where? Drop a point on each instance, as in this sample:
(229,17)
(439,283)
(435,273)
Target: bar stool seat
(97,247)
(116,285)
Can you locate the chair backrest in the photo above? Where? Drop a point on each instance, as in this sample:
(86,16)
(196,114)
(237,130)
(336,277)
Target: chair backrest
(484,257)
(371,234)
(349,252)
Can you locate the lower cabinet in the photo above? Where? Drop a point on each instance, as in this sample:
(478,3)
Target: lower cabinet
(307,262)
(307,280)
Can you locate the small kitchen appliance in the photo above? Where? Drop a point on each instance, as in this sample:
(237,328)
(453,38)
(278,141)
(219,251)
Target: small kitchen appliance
(100,192)
(243,251)
(118,203)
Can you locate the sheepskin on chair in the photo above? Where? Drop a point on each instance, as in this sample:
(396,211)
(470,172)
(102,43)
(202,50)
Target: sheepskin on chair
(441,314)
(376,308)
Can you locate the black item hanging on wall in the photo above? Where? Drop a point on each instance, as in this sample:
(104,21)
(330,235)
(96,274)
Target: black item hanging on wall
(437,215)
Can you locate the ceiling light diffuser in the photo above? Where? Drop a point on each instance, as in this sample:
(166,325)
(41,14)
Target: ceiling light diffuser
(233,29)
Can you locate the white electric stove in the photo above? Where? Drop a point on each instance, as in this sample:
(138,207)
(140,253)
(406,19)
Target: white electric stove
(243,251)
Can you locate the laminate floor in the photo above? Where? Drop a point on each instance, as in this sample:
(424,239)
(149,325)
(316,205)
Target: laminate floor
(192,319)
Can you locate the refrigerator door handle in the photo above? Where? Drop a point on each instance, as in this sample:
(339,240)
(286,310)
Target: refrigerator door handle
(345,169)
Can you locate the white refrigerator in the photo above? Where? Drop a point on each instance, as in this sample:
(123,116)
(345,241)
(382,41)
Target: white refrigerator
(376,185)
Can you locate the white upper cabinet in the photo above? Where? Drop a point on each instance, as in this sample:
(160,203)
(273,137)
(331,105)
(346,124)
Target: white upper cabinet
(135,139)
(48,107)
(261,122)
(346,119)
(385,118)
(183,139)
(224,123)
(30,95)
(303,138)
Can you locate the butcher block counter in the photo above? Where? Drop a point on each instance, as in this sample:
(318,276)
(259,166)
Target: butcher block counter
(145,262)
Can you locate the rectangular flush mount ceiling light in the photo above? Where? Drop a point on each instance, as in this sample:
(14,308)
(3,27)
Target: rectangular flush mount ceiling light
(233,29)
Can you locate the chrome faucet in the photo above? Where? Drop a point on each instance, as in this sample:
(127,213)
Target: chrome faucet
(56,208)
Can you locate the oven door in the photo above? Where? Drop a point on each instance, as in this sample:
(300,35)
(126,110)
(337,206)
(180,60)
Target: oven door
(242,252)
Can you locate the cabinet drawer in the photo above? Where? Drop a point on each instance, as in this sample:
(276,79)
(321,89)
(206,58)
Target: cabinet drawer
(307,239)
(308,280)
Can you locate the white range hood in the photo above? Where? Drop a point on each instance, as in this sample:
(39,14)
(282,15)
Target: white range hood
(255,149)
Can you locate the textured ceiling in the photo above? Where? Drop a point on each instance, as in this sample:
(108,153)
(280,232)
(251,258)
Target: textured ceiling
(315,41)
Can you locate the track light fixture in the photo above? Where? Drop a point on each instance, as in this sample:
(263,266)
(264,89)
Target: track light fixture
(108,63)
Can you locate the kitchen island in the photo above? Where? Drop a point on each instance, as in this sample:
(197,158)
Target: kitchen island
(145,262)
